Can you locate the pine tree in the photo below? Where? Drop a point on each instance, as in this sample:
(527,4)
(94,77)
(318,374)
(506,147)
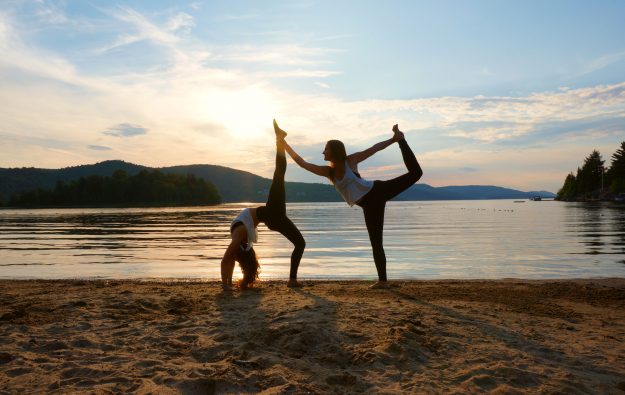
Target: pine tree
(589,176)
(569,189)
(616,174)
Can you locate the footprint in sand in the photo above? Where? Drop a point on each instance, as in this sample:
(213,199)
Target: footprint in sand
(5,358)
(344,379)
(82,342)
(18,372)
(198,386)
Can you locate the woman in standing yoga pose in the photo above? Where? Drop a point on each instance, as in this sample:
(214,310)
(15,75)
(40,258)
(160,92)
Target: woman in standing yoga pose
(371,196)
(273,214)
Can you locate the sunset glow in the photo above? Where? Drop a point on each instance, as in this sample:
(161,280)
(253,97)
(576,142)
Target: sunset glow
(511,95)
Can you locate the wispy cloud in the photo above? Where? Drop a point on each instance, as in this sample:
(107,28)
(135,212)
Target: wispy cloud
(601,63)
(22,58)
(99,148)
(146,30)
(5,30)
(180,21)
(51,13)
(292,54)
(298,73)
(125,130)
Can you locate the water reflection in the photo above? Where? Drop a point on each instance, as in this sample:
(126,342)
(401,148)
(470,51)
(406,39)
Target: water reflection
(460,239)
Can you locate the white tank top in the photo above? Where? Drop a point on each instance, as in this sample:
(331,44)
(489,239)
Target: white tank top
(352,187)
(245,217)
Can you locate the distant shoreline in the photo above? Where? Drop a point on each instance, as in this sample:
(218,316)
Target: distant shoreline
(105,206)
(251,203)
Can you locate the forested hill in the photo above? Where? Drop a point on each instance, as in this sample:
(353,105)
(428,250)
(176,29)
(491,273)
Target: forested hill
(238,186)
(233,185)
(242,186)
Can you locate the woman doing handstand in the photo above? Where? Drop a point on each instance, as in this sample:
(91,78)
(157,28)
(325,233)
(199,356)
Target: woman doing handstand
(244,233)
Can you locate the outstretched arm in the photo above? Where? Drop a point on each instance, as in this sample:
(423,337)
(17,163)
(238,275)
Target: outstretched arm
(323,171)
(358,157)
(227,265)
(227,262)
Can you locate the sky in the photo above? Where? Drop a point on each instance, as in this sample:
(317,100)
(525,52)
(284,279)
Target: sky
(507,93)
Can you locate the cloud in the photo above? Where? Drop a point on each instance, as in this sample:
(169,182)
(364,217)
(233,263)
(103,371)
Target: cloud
(99,148)
(5,30)
(468,169)
(601,63)
(282,55)
(20,60)
(125,130)
(299,74)
(145,29)
(553,131)
(51,13)
(180,21)
(481,102)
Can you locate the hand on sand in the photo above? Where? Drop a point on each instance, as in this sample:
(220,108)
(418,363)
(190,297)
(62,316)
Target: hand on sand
(294,284)
(280,134)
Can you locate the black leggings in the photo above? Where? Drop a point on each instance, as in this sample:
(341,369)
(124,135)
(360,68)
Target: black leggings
(374,203)
(273,214)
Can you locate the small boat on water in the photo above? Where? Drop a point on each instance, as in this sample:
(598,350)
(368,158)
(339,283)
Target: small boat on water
(536,198)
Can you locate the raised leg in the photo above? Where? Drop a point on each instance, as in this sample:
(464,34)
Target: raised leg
(276,201)
(391,188)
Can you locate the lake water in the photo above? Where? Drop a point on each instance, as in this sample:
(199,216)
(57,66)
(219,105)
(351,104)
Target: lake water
(423,240)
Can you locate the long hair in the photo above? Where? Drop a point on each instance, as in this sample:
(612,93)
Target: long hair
(337,154)
(248,261)
(337,150)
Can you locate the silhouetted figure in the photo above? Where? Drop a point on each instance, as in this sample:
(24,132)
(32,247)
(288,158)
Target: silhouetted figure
(370,195)
(244,234)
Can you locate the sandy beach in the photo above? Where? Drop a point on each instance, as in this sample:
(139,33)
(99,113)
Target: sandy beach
(506,336)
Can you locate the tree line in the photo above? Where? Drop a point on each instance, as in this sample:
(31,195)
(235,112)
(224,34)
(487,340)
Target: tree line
(147,188)
(592,181)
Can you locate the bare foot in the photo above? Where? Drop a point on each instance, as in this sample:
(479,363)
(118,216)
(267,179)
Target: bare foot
(280,134)
(398,135)
(380,285)
(227,288)
(294,284)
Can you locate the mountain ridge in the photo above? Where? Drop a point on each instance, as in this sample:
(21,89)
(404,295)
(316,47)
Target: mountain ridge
(241,186)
